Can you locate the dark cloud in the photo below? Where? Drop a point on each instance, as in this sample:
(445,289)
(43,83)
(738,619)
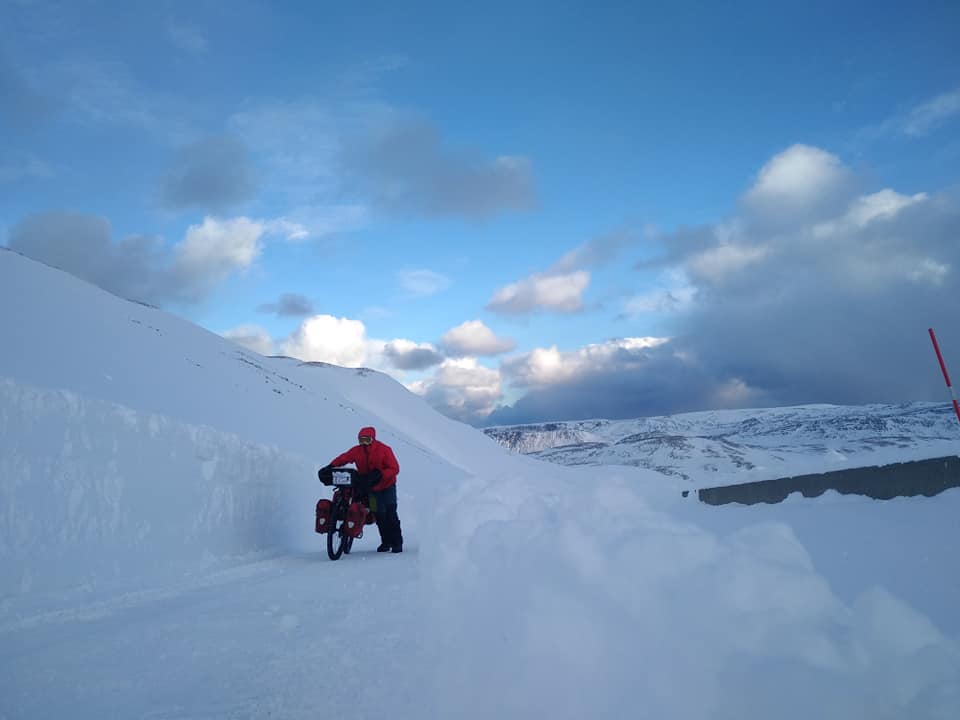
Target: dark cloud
(408,170)
(661,387)
(840,318)
(289,305)
(82,245)
(211,174)
(404,356)
(138,268)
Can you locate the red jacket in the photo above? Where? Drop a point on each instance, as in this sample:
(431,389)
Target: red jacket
(375,456)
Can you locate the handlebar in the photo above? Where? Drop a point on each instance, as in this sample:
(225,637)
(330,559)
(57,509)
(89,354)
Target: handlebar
(339,476)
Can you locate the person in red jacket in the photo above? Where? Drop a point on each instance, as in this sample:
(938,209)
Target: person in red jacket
(378,465)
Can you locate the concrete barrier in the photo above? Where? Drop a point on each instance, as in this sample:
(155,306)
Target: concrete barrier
(919,477)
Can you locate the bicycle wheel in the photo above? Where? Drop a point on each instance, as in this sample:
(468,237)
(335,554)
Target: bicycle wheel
(337,538)
(348,544)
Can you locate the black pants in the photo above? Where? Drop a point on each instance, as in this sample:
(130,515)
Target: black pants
(388,523)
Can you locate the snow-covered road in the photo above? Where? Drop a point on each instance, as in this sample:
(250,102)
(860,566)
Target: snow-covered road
(287,637)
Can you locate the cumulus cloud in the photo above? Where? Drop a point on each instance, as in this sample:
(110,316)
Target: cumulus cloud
(289,305)
(408,355)
(325,338)
(213,250)
(799,184)
(211,174)
(560,288)
(344,341)
(462,389)
(474,338)
(559,293)
(422,282)
(252,337)
(141,268)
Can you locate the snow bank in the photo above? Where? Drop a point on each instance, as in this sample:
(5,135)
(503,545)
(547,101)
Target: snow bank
(573,599)
(97,499)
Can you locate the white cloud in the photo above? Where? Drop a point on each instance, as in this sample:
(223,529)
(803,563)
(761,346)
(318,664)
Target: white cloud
(475,338)
(926,117)
(800,180)
(550,366)
(422,282)
(882,205)
(561,287)
(559,293)
(289,229)
(252,337)
(215,248)
(325,338)
(462,389)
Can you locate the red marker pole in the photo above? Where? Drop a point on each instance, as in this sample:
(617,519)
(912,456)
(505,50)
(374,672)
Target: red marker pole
(946,376)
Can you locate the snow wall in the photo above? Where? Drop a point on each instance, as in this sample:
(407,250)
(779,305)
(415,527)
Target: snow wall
(96,498)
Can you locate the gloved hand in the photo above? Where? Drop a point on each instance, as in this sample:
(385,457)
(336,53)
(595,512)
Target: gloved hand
(374,476)
(324,475)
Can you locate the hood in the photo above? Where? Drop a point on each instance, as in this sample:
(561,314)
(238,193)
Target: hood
(372,432)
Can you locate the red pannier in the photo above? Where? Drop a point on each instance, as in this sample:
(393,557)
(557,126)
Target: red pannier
(324,509)
(356,517)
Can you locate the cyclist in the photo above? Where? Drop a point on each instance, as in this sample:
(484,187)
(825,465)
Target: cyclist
(378,469)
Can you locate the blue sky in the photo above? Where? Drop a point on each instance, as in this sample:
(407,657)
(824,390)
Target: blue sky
(523,211)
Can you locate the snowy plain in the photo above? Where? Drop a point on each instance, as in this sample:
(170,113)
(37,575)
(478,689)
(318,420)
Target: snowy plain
(157,558)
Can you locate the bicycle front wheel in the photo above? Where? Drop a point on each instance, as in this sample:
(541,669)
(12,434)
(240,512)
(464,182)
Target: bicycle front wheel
(337,540)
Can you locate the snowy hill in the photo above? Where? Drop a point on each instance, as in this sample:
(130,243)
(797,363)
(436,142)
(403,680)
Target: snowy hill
(157,557)
(732,446)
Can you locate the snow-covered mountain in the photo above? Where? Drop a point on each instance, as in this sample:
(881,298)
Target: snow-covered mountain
(728,446)
(157,559)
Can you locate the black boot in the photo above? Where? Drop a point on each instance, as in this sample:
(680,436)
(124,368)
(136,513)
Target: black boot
(393,529)
(382,526)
